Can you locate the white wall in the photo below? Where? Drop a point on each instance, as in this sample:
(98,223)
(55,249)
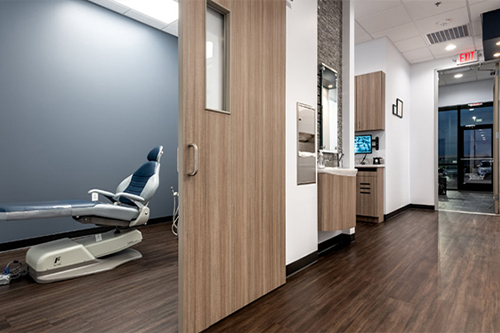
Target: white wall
(301,83)
(382,55)
(423,130)
(465,93)
(348,60)
(397,133)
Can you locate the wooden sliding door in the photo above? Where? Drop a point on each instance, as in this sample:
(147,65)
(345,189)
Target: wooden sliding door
(232,209)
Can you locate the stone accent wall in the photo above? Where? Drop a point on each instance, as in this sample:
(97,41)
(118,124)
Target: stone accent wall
(330,54)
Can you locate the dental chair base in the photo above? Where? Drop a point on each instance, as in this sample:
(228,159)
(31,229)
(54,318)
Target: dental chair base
(66,259)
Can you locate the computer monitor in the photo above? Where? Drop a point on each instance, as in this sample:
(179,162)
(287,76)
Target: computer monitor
(363,144)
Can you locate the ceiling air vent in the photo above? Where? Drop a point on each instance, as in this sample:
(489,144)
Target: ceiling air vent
(449,34)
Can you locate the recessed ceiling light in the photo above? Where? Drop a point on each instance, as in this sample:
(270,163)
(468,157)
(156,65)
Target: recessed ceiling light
(458,76)
(450,47)
(166,11)
(496,55)
(471,109)
(498,43)
(330,86)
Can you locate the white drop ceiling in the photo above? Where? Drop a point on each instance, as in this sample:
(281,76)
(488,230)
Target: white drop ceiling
(470,74)
(406,23)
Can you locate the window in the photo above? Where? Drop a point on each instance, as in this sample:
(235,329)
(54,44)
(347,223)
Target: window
(217,58)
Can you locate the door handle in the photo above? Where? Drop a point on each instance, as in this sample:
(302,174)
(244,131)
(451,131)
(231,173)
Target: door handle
(195,170)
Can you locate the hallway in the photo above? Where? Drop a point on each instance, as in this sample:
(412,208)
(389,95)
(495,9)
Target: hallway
(422,271)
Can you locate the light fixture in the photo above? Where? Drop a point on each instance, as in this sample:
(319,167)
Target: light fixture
(166,11)
(498,43)
(496,55)
(471,109)
(458,76)
(330,86)
(450,47)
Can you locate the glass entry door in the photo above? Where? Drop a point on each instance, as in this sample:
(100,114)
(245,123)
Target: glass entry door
(476,162)
(466,146)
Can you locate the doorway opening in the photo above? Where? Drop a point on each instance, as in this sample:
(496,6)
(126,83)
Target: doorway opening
(465,140)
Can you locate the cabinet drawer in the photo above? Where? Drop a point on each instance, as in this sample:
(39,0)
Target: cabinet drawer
(366,195)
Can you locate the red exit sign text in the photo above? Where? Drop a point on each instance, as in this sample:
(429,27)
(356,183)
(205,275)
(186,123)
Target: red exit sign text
(464,58)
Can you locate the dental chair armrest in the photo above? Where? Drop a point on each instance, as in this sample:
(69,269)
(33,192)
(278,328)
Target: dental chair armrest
(137,200)
(129,196)
(109,195)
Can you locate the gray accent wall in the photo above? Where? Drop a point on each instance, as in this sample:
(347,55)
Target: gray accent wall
(85,93)
(330,54)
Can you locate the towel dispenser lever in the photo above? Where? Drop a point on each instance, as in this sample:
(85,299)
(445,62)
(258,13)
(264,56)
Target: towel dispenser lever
(195,170)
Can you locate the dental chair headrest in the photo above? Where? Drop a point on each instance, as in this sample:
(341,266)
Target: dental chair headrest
(155,154)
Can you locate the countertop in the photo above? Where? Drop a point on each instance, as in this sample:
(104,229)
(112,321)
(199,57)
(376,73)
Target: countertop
(360,166)
(339,171)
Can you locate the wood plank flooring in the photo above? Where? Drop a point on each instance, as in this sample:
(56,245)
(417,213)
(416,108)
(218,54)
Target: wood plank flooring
(422,271)
(140,296)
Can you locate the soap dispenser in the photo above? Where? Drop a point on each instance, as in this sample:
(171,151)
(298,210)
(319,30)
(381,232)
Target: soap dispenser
(321,160)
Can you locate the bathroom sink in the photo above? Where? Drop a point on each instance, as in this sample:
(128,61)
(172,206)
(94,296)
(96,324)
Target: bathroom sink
(339,171)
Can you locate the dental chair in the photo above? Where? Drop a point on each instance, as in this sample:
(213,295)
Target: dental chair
(127,208)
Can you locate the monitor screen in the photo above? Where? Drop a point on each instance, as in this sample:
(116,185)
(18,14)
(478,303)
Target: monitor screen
(363,144)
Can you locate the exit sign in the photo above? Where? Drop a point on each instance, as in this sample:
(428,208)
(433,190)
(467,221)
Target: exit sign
(467,57)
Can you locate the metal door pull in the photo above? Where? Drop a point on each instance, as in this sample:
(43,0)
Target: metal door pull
(195,171)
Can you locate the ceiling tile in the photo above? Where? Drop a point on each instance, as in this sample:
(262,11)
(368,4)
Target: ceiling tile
(463,45)
(419,9)
(432,24)
(359,31)
(448,82)
(484,75)
(418,55)
(411,44)
(385,20)
(472,2)
(478,42)
(477,9)
(463,80)
(399,33)
(477,28)
(364,8)
(362,39)
(468,72)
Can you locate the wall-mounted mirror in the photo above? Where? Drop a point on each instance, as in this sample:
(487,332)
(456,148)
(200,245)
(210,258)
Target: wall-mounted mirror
(329,110)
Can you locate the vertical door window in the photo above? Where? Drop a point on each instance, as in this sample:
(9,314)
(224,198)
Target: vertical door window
(448,141)
(477,156)
(217,58)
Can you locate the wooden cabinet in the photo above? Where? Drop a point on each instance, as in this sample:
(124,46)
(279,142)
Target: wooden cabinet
(336,202)
(370,195)
(370,102)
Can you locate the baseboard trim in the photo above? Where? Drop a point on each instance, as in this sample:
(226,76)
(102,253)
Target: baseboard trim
(335,243)
(396,212)
(301,264)
(409,206)
(22,243)
(325,247)
(426,207)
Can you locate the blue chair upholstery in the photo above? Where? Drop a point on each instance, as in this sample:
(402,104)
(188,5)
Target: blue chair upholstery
(128,206)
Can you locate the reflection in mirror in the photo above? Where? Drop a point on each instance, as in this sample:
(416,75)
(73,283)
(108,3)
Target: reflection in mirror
(329,110)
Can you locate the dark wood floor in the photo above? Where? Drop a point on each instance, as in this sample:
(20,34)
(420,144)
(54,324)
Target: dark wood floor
(140,296)
(422,271)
